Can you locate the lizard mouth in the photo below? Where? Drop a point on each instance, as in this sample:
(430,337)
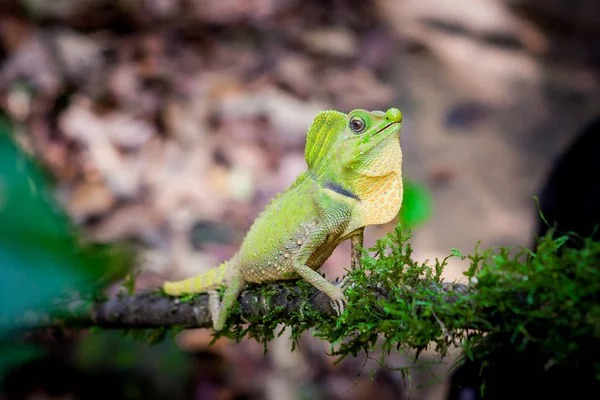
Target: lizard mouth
(385,127)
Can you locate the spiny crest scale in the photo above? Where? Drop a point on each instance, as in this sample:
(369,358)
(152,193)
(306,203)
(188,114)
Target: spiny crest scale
(322,135)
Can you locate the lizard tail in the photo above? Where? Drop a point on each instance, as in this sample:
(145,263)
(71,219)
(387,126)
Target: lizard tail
(211,279)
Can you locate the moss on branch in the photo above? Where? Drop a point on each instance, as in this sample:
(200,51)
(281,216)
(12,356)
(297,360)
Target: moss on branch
(545,300)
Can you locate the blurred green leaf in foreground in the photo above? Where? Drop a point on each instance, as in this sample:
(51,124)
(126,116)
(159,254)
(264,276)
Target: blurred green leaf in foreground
(41,255)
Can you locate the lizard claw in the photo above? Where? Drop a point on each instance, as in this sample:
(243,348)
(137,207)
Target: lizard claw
(338,301)
(339,306)
(346,282)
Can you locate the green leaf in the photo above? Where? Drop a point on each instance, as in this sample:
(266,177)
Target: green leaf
(457,253)
(41,254)
(417,204)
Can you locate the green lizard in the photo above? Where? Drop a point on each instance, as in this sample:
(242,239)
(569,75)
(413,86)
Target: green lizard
(354,179)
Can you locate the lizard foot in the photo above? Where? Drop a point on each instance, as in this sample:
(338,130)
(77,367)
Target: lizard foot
(214,305)
(338,299)
(346,282)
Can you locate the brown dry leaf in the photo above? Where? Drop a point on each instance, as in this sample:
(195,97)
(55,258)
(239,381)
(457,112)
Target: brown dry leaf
(99,137)
(335,42)
(289,116)
(119,128)
(58,158)
(242,130)
(19,103)
(127,92)
(413,18)
(357,88)
(377,49)
(292,165)
(154,265)
(178,179)
(13,32)
(88,199)
(219,180)
(80,55)
(232,11)
(249,163)
(127,221)
(224,11)
(187,116)
(185,120)
(454,33)
(122,82)
(297,72)
(234,59)
(151,60)
(33,61)
(162,8)
(193,263)
(57,9)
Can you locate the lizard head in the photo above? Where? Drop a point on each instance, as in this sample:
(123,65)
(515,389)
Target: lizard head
(358,156)
(361,143)
(371,143)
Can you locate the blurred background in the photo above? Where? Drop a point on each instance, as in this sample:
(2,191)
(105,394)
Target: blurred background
(169,124)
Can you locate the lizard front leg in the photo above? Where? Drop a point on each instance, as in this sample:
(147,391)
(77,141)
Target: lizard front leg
(313,277)
(356,243)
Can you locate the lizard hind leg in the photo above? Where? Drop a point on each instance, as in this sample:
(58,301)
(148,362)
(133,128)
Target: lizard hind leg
(219,310)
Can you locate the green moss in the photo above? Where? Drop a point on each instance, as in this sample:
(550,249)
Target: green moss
(406,310)
(129,283)
(263,328)
(544,301)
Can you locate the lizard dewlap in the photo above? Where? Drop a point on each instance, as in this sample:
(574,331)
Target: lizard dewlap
(354,179)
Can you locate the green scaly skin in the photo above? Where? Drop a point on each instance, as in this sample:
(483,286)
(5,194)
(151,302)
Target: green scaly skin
(354,179)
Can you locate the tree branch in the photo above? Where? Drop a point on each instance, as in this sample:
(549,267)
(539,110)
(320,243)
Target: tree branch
(154,309)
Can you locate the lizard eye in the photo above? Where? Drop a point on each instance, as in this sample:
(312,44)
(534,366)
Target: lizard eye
(357,124)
